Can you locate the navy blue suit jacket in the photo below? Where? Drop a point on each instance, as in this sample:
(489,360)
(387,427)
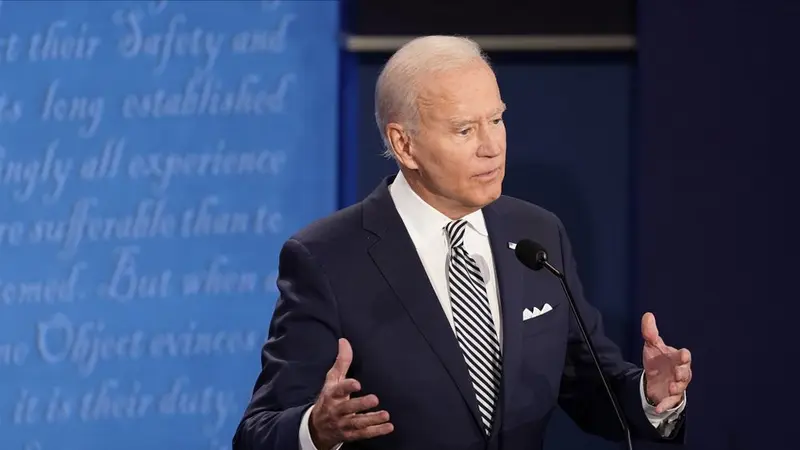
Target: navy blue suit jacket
(356,274)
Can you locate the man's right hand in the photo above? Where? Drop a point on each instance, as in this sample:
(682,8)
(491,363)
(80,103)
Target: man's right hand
(335,417)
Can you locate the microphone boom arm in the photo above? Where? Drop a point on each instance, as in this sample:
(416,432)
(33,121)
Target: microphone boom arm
(542,259)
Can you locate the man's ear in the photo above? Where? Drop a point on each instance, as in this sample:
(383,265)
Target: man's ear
(400,139)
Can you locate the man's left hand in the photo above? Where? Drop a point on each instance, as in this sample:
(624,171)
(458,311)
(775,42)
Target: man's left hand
(667,370)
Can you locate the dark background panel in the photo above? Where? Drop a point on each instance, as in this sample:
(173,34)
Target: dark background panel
(717,229)
(498,17)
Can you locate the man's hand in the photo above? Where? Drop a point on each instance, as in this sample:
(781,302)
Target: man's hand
(335,417)
(667,370)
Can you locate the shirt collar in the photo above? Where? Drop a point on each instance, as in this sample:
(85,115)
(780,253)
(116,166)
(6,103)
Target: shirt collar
(421,217)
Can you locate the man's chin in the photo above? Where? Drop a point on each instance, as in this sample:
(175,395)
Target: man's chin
(487,196)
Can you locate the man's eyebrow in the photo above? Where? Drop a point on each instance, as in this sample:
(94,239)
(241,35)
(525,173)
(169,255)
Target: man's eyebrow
(461,121)
(499,110)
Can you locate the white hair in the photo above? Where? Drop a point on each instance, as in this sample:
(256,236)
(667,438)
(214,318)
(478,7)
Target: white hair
(396,90)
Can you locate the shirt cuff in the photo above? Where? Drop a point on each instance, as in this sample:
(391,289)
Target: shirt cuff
(664,422)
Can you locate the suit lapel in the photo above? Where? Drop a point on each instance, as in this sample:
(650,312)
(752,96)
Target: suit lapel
(509,277)
(396,257)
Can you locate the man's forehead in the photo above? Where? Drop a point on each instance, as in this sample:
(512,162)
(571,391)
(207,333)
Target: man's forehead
(445,104)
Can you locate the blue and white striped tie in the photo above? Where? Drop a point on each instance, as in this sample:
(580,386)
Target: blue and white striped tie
(474,325)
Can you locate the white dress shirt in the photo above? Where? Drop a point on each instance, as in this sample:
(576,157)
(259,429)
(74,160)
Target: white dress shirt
(426,225)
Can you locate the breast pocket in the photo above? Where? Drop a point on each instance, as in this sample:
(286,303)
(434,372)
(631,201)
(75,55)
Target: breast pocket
(553,319)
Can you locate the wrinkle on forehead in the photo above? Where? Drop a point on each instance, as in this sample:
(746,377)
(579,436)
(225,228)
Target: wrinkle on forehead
(456,109)
(431,105)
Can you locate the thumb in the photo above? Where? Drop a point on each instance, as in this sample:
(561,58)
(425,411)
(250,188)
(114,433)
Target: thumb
(343,360)
(650,330)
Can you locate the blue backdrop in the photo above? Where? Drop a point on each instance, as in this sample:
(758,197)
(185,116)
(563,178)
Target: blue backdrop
(154,156)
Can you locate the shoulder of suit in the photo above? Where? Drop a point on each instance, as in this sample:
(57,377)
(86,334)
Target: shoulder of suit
(516,208)
(339,226)
(346,225)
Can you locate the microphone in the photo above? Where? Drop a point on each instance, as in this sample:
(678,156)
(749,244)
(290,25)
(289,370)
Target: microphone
(534,257)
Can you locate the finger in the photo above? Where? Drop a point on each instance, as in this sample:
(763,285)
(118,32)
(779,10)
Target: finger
(683,373)
(342,364)
(678,387)
(344,388)
(361,421)
(680,357)
(355,405)
(668,403)
(369,432)
(650,330)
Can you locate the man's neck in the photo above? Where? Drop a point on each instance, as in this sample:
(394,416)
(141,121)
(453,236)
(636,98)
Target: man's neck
(445,206)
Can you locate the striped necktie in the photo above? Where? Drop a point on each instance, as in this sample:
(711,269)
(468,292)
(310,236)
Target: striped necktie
(473,323)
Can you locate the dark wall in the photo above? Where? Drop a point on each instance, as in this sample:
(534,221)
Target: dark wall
(569,151)
(717,208)
(504,17)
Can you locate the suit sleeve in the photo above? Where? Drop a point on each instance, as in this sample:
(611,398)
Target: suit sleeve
(300,349)
(582,395)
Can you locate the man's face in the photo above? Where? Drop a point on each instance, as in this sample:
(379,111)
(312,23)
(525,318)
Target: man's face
(459,148)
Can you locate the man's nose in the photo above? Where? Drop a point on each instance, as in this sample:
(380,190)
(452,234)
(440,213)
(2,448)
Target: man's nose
(491,144)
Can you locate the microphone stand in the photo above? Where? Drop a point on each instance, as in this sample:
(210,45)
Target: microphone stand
(542,259)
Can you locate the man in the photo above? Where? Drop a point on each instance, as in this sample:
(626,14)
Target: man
(402,323)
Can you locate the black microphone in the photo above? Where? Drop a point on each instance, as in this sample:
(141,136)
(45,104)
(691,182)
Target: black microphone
(534,257)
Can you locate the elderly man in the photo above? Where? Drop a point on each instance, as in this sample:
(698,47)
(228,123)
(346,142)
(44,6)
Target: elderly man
(400,319)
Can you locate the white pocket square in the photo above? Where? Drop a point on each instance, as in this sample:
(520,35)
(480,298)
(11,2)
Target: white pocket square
(528,314)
